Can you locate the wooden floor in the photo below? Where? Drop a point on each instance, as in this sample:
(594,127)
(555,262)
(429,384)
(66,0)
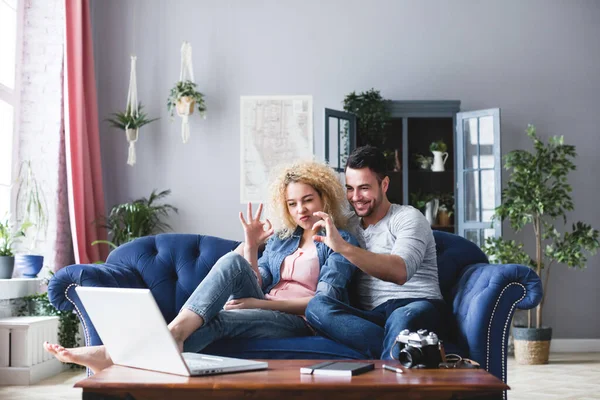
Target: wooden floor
(567,376)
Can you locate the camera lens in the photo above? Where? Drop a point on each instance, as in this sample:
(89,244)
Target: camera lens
(410,356)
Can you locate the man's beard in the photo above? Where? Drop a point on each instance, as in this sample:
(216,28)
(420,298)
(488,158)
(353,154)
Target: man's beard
(372,205)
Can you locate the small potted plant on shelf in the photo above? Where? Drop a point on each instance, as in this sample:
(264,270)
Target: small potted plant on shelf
(438,148)
(184,97)
(8,236)
(446,209)
(423,162)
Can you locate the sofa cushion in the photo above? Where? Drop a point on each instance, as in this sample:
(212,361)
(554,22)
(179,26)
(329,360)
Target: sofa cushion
(171,265)
(307,347)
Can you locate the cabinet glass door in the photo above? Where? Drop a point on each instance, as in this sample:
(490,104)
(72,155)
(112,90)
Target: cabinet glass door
(479,169)
(340,137)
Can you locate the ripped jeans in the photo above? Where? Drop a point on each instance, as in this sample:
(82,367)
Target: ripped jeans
(233,277)
(373,333)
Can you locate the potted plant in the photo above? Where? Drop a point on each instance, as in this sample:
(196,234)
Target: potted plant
(537,196)
(423,162)
(438,148)
(129,122)
(372,113)
(8,236)
(184,97)
(32,211)
(141,217)
(446,209)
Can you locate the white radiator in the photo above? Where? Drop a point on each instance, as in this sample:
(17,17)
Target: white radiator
(23,360)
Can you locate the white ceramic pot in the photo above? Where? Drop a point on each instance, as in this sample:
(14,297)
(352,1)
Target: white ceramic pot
(439,159)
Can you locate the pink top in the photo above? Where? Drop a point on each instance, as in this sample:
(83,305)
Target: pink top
(299,276)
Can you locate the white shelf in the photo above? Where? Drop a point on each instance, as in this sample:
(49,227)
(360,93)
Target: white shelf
(19,287)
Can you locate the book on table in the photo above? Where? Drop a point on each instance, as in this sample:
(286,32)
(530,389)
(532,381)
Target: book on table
(338,368)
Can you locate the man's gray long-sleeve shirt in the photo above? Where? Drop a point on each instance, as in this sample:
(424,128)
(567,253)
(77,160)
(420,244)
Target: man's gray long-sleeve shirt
(404,232)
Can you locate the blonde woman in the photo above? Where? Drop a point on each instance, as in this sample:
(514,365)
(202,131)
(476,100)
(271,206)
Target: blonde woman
(244,296)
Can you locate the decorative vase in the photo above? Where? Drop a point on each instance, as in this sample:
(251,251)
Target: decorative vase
(532,345)
(29,265)
(7,265)
(431,209)
(443,218)
(185,106)
(439,159)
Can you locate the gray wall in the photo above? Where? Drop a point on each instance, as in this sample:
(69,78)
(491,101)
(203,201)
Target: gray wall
(536,60)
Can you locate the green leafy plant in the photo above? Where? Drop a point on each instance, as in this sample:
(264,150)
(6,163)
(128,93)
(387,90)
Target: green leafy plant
(141,217)
(8,236)
(538,195)
(446,203)
(419,200)
(128,120)
(438,145)
(373,114)
(31,203)
(422,161)
(68,326)
(185,89)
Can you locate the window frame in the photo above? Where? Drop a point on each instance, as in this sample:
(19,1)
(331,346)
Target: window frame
(13,97)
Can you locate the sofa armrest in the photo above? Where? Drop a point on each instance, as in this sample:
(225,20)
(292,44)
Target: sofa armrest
(62,295)
(485,299)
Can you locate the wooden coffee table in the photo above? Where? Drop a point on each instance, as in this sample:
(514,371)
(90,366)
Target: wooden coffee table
(283,381)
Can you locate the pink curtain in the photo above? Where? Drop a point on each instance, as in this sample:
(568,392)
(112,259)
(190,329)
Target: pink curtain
(84,167)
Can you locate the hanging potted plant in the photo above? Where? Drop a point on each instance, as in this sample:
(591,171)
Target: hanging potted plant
(131,121)
(537,196)
(184,98)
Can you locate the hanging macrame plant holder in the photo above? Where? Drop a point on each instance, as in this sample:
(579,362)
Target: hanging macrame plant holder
(185,104)
(132,109)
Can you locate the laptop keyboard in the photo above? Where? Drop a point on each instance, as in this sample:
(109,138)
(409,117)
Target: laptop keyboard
(199,364)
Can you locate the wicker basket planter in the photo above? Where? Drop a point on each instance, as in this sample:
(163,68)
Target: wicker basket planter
(532,345)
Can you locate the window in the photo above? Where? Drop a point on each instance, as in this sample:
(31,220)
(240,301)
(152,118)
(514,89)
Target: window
(10,21)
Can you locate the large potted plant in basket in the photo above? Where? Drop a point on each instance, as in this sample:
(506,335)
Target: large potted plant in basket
(537,197)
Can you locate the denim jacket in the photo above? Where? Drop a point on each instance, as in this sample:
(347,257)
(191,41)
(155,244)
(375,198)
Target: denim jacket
(335,274)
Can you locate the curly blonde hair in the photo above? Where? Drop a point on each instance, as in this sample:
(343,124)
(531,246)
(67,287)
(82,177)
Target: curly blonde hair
(325,182)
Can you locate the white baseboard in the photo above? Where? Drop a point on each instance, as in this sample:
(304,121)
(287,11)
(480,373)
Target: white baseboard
(575,346)
(24,376)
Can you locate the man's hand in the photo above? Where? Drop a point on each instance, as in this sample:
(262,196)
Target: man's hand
(248,302)
(332,237)
(256,232)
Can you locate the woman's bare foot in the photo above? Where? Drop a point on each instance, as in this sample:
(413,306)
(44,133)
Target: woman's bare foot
(94,357)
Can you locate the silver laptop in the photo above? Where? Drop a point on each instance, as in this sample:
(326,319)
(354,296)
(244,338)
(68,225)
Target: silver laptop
(135,334)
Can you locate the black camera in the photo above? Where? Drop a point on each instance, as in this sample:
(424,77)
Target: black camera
(420,349)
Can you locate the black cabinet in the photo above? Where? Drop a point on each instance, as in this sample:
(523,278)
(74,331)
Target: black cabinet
(456,195)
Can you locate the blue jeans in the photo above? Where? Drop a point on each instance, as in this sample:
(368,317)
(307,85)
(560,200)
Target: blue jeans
(373,333)
(232,277)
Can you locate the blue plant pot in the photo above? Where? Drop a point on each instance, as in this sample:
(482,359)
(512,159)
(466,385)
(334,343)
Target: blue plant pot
(29,265)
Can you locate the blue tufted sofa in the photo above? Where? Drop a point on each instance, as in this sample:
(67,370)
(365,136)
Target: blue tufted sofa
(483,296)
